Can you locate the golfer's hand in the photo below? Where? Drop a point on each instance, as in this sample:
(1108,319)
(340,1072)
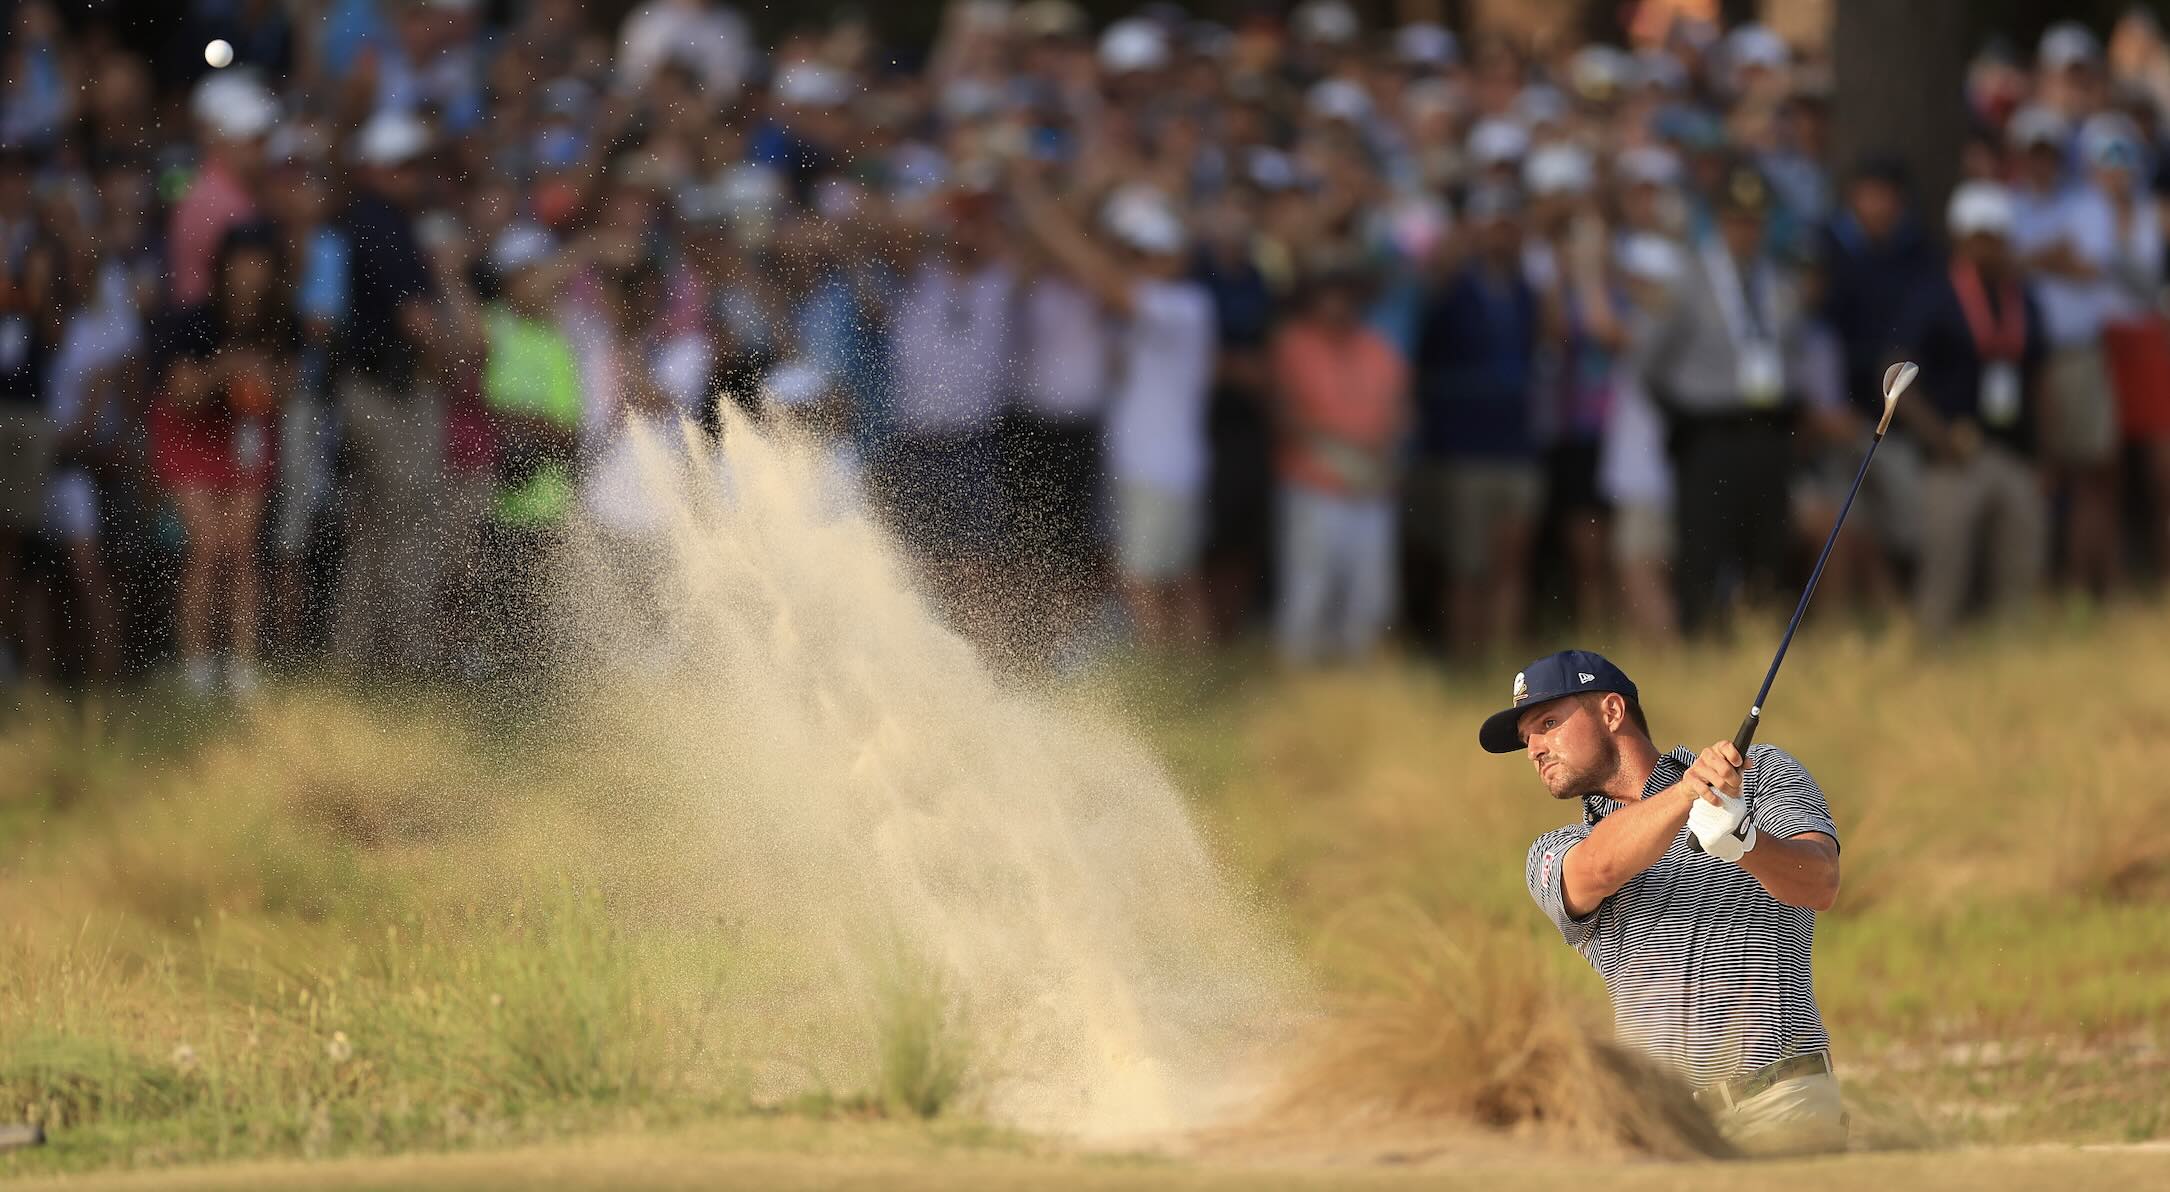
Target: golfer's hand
(1722,828)
(1716,773)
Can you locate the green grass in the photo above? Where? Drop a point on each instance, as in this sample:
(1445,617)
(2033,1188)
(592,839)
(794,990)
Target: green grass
(349,927)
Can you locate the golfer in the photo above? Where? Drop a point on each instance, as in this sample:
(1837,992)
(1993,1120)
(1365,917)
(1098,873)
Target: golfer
(1692,886)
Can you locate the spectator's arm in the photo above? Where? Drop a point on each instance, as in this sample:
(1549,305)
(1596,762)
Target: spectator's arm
(1072,250)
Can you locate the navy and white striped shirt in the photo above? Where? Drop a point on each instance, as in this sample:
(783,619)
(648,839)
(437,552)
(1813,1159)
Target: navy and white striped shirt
(1708,973)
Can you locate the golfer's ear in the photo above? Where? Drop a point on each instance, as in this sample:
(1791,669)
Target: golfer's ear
(1615,708)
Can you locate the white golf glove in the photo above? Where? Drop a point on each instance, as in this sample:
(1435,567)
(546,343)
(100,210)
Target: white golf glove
(1724,830)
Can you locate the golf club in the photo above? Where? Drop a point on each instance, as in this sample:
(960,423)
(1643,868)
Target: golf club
(1896,379)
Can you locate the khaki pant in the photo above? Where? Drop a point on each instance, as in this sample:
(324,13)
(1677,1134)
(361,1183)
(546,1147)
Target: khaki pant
(1986,512)
(387,608)
(1802,1116)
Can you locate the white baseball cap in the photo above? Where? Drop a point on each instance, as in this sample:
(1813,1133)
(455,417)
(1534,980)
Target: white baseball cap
(2035,125)
(234,106)
(519,246)
(811,85)
(1141,218)
(391,138)
(1496,141)
(1339,99)
(1649,257)
(1558,170)
(1980,208)
(1133,44)
(1756,45)
(1425,44)
(795,383)
(1328,22)
(2067,44)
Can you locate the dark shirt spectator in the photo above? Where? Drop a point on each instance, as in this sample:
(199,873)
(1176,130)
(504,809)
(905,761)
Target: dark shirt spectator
(1875,256)
(1476,348)
(386,271)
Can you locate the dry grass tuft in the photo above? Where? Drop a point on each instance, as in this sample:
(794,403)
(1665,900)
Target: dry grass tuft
(1440,1034)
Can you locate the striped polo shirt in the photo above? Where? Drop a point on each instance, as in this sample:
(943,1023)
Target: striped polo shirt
(1708,973)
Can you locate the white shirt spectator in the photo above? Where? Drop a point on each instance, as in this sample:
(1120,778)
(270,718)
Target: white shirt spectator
(1066,351)
(98,337)
(951,344)
(1157,417)
(711,38)
(2072,311)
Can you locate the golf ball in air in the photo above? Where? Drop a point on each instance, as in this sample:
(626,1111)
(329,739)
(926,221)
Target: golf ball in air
(218,53)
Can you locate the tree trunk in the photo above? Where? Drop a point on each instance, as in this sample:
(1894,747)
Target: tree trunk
(1899,90)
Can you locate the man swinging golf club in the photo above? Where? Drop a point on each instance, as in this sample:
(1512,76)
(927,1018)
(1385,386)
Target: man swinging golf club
(1692,887)
(1693,881)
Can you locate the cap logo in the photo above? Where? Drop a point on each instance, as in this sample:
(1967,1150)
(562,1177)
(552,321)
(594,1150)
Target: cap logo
(1586,676)
(1521,688)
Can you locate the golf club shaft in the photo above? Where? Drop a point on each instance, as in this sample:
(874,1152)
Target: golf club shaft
(1747,734)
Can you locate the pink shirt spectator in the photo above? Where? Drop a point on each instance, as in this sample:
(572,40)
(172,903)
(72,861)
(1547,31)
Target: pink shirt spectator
(1344,403)
(214,205)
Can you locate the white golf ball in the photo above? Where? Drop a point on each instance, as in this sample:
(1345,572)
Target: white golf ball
(218,53)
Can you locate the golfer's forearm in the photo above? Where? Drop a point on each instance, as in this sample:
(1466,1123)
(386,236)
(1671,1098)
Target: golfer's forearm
(1626,843)
(1800,871)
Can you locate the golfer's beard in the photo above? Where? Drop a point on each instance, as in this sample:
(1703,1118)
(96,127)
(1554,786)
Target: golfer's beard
(1567,782)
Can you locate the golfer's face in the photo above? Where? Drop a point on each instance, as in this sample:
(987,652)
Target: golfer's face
(1562,740)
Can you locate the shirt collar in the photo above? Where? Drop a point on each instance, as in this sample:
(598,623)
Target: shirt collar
(1597,807)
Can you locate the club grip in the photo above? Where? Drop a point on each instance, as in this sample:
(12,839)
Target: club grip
(1747,734)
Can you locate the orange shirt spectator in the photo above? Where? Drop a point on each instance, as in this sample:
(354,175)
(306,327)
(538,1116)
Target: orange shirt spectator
(1342,396)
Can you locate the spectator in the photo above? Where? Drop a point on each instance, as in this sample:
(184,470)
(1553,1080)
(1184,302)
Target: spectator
(40,86)
(1476,359)
(1717,365)
(224,366)
(299,201)
(33,301)
(2069,74)
(393,423)
(103,339)
(235,113)
(1582,337)
(531,387)
(2066,234)
(1342,406)
(1633,475)
(1051,448)
(2135,342)
(1874,255)
(950,343)
(1239,429)
(1981,344)
(1157,413)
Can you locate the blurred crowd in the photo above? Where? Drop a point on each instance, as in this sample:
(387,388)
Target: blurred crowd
(1167,329)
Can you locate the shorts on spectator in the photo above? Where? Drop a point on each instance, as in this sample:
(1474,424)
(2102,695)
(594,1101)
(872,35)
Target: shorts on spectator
(1051,474)
(1642,534)
(942,490)
(71,507)
(1571,478)
(2079,412)
(26,459)
(1158,533)
(1889,505)
(1479,496)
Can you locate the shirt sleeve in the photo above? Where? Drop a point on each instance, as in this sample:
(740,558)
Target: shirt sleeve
(1783,799)
(1543,874)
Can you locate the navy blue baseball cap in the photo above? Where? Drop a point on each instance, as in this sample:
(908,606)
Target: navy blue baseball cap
(1569,672)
